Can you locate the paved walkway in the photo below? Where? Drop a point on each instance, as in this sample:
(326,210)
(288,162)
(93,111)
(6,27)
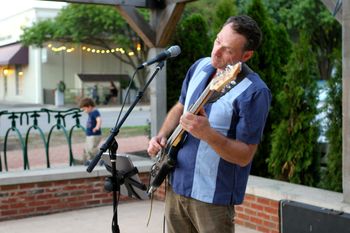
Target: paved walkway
(132,218)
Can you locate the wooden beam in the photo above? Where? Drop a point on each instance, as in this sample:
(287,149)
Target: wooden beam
(163,22)
(138,24)
(346,100)
(136,3)
(98,2)
(166,23)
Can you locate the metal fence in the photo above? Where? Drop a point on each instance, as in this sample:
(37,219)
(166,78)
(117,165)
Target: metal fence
(30,120)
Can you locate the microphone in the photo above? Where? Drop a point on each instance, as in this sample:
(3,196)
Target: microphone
(173,51)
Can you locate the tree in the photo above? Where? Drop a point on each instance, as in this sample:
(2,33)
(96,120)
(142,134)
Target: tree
(312,17)
(294,155)
(195,38)
(191,35)
(223,10)
(332,177)
(100,26)
(268,61)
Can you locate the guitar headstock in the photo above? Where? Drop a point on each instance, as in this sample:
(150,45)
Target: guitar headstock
(225,79)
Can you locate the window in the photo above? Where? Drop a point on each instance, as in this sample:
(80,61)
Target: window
(19,80)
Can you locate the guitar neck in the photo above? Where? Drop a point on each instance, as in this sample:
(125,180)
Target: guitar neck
(176,136)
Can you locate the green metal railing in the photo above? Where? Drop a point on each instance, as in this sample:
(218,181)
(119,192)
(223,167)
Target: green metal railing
(59,124)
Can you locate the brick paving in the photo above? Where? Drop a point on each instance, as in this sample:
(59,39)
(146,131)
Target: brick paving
(59,155)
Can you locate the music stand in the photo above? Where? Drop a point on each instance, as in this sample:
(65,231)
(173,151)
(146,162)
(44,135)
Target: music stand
(127,175)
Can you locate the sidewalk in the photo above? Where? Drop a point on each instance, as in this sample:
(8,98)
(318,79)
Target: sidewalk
(132,218)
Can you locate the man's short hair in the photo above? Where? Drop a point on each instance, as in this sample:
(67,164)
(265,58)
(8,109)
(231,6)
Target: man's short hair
(247,27)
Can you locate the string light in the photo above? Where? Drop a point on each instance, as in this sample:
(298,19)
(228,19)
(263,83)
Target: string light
(94,50)
(138,47)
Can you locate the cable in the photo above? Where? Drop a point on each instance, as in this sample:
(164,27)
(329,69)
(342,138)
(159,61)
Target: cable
(150,210)
(337,7)
(126,95)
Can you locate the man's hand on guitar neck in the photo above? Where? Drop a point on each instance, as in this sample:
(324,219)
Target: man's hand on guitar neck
(233,151)
(156,144)
(197,125)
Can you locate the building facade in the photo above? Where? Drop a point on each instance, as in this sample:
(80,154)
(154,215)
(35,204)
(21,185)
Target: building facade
(31,75)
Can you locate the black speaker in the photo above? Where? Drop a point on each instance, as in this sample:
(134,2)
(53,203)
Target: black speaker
(297,217)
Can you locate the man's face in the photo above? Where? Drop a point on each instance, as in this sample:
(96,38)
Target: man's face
(229,48)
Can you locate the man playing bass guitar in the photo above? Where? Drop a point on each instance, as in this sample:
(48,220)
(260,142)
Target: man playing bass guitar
(213,162)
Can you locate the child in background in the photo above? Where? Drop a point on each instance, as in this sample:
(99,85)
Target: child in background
(93,129)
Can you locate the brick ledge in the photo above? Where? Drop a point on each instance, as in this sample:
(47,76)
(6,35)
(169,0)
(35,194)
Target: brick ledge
(279,190)
(63,173)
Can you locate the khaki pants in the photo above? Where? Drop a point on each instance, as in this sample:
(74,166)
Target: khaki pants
(187,215)
(91,147)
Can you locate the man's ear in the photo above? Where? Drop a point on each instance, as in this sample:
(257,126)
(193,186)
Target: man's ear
(247,55)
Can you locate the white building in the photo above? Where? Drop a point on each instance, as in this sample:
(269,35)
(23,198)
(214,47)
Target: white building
(31,75)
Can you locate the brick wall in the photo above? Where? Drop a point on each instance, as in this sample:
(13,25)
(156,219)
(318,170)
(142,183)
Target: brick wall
(30,199)
(258,213)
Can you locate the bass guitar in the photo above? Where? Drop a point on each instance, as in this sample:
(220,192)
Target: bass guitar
(221,83)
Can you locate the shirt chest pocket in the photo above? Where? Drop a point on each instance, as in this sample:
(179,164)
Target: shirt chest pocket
(220,116)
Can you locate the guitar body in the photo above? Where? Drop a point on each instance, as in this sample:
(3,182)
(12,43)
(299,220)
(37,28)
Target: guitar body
(166,160)
(165,164)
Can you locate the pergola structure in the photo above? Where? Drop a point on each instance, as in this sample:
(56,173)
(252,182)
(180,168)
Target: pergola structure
(156,34)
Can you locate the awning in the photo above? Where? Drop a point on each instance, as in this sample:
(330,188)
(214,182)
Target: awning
(103,77)
(14,54)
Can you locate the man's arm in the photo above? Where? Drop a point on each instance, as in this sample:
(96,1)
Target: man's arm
(172,120)
(170,123)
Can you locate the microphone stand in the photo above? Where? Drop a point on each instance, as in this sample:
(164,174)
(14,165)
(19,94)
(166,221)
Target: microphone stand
(111,144)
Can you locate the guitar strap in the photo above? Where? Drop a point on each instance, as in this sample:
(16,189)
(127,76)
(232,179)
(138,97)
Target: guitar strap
(195,80)
(245,71)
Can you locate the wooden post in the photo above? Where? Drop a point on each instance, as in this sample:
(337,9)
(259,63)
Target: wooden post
(346,100)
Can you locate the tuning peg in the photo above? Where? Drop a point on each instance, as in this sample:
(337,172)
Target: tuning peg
(229,67)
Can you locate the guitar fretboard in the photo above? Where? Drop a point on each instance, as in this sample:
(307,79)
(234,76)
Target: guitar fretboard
(175,137)
(217,84)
